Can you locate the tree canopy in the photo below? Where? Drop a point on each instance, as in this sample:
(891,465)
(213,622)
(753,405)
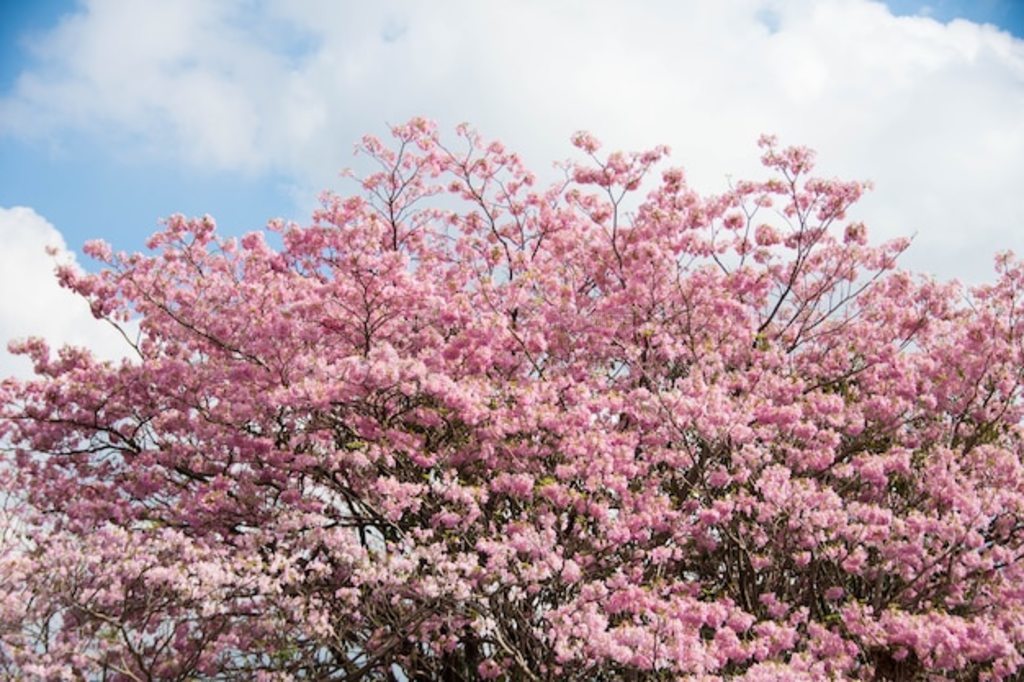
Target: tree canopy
(461,427)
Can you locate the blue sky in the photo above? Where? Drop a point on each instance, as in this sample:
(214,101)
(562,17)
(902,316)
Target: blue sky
(93,190)
(115,113)
(1006,14)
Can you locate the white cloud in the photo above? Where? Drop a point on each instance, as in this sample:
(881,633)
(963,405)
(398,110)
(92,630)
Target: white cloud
(33,303)
(931,112)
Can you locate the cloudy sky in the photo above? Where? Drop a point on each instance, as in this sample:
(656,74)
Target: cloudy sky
(115,113)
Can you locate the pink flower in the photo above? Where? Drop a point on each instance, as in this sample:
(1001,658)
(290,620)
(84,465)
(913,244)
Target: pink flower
(462,422)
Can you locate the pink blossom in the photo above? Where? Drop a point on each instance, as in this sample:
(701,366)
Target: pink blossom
(463,426)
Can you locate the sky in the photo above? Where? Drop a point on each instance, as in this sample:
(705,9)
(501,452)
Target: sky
(116,113)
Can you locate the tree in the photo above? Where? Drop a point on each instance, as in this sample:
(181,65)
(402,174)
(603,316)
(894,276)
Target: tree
(463,428)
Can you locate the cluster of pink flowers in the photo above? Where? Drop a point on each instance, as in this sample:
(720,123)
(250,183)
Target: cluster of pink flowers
(463,427)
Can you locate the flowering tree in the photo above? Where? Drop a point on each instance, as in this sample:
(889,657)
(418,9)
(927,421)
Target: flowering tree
(463,428)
